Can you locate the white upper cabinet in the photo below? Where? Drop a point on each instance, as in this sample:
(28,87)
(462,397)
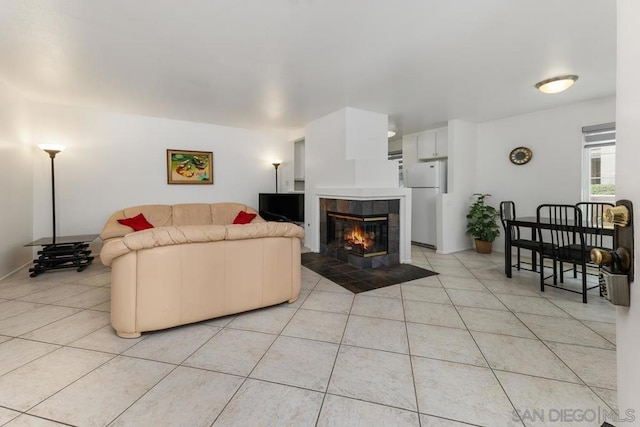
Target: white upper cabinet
(432,144)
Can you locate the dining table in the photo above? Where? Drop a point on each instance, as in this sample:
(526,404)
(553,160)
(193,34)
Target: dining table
(532,223)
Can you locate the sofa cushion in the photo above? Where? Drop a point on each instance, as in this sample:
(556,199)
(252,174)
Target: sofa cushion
(225,213)
(138,222)
(244,217)
(157,215)
(191,214)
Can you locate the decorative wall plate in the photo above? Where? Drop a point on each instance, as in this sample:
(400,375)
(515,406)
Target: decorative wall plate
(520,155)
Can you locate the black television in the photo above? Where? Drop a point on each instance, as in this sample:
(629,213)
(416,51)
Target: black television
(283,207)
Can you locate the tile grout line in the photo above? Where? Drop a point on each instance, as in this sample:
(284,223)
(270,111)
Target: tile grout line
(515,410)
(340,345)
(583,382)
(413,376)
(335,361)
(247,377)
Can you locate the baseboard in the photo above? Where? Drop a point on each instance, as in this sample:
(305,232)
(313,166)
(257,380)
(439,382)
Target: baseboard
(16,270)
(422,245)
(468,248)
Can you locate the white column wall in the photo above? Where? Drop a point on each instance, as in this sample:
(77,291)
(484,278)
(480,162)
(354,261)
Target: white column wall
(345,149)
(627,179)
(452,206)
(324,165)
(16,181)
(115,160)
(365,135)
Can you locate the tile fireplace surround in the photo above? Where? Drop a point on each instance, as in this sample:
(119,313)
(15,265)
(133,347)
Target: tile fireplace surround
(400,218)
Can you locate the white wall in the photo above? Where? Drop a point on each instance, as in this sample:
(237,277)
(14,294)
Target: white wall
(554,175)
(461,184)
(366,135)
(628,176)
(115,160)
(16,182)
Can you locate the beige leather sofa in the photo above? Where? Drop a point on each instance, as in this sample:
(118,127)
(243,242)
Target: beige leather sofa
(196,265)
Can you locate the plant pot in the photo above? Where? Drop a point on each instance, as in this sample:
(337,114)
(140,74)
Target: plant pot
(483,247)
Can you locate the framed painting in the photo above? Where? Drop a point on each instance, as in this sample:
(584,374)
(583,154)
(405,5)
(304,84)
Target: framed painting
(189,167)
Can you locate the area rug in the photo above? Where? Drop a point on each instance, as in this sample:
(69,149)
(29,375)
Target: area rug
(356,280)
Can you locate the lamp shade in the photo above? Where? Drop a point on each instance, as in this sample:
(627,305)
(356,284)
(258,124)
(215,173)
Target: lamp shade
(51,147)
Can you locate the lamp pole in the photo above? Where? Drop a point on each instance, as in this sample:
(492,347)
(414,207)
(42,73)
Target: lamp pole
(52,151)
(276,165)
(52,156)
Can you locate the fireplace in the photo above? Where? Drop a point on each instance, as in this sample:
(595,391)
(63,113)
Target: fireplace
(361,235)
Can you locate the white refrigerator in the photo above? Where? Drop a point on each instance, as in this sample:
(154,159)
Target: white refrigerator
(426,180)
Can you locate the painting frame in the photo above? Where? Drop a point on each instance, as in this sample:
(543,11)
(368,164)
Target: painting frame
(189,167)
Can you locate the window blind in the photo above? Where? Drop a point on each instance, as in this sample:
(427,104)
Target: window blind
(599,135)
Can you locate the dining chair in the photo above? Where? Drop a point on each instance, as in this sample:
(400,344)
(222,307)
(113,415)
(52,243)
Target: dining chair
(507,213)
(562,239)
(593,218)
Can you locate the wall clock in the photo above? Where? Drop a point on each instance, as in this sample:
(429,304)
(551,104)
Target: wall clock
(520,155)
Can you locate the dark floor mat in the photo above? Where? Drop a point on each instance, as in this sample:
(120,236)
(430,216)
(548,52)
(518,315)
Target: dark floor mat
(356,280)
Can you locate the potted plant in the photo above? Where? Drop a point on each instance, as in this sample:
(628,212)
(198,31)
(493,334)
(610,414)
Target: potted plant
(481,224)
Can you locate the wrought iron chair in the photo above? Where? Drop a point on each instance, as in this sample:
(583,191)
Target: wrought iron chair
(562,239)
(508,212)
(592,217)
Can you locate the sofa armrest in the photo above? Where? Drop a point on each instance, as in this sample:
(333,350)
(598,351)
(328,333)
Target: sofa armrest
(113,229)
(174,235)
(111,249)
(263,229)
(181,234)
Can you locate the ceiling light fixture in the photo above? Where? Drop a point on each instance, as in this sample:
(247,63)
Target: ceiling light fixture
(556,84)
(391,133)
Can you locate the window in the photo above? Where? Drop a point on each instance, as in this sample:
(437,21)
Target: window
(599,165)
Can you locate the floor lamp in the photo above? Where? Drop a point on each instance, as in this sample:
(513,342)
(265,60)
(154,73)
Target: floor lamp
(52,150)
(276,164)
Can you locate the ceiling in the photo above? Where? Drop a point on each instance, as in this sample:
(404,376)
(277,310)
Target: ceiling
(279,64)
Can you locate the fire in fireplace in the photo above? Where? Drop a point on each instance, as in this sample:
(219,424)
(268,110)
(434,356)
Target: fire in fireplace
(362,235)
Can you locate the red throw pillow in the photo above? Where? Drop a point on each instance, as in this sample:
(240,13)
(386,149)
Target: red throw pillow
(138,222)
(244,217)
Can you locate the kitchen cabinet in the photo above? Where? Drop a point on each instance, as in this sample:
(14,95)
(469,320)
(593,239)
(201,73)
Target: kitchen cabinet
(432,144)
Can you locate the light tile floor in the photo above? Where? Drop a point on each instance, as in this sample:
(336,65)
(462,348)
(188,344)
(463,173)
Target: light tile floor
(465,347)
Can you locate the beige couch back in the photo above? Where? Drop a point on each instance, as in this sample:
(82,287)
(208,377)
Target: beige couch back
(179,214)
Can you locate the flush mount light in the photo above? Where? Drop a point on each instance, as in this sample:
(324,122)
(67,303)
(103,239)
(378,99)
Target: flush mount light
(556,84)
(391,133)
